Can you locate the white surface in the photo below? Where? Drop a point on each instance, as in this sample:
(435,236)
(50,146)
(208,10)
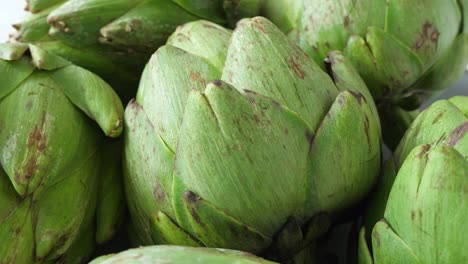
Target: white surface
(10,13)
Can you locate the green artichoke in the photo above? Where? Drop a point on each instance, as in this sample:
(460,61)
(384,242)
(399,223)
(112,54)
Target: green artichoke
(181,255)
(60,189)
(418,213)
(404,50)
(239,140)
(115,38)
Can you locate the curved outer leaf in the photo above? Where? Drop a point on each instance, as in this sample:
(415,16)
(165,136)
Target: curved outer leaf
(243,162)
(49,149)
(182,255)
(428,169)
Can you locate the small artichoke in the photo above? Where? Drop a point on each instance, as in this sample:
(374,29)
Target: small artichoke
(405,50)
(181,255)
(115,38)
(54,158)
(239,140)
(418,213)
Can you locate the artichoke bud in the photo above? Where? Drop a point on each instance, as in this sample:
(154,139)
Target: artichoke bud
(240,153)
(403,66)
(429,169)
(50,148)
(182,255)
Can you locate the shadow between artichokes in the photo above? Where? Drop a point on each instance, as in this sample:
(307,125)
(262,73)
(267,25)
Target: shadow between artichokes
(53,120)
(239,140)
(418,211)
(406,51)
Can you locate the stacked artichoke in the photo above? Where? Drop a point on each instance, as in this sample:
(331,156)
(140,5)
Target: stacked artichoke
(404,50)
(237,141)
(60,185)
(115,38)
(238,155)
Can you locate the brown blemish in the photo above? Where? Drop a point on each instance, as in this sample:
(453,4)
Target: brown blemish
(412,215)
(159,193)
(428,32)
(276,104)
(358,96)
(424,149)
(347,21)
(457,134)
(297,69)
(257,24)
(438,117)
(286,131)
(257,118)
(366,131)
(196,77)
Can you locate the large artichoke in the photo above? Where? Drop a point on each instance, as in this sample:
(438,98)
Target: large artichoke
(181,255)
(422,195)
(54,158)
(115,38)
(405,50)
(239,140)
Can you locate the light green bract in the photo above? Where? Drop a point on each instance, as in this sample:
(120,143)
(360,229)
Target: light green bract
(54,158)
(181,255)
(405,50)
(422,194)
(239,140)
(115,38)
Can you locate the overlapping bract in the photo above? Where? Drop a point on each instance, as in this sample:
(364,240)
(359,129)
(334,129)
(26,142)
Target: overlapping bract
(239,140)
(181,255)
(115,38)
(422,194)
(54,158)
(405,50)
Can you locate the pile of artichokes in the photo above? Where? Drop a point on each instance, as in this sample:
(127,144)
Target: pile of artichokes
(234,131)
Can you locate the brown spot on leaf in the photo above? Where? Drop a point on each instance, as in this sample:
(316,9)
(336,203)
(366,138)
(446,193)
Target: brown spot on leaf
(412,215)
(286,131)
(424,150)
(196,77)
(158,193)
(366,131)
(347,21)
(297,69)
(256,118)
(428,32)
(438,117)
(457,134)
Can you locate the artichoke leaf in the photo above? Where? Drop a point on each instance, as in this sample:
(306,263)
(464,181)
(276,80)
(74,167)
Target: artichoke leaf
(204,39)
(291,78)
(388,247)
(165,231)
(245,134)
(360,156)
(139,30)
(92,95)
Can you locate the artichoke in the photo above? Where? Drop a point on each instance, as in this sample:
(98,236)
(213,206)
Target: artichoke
(181,255)
(404,50)
(418,212)
(115,38)
(237,140)
(54,158)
